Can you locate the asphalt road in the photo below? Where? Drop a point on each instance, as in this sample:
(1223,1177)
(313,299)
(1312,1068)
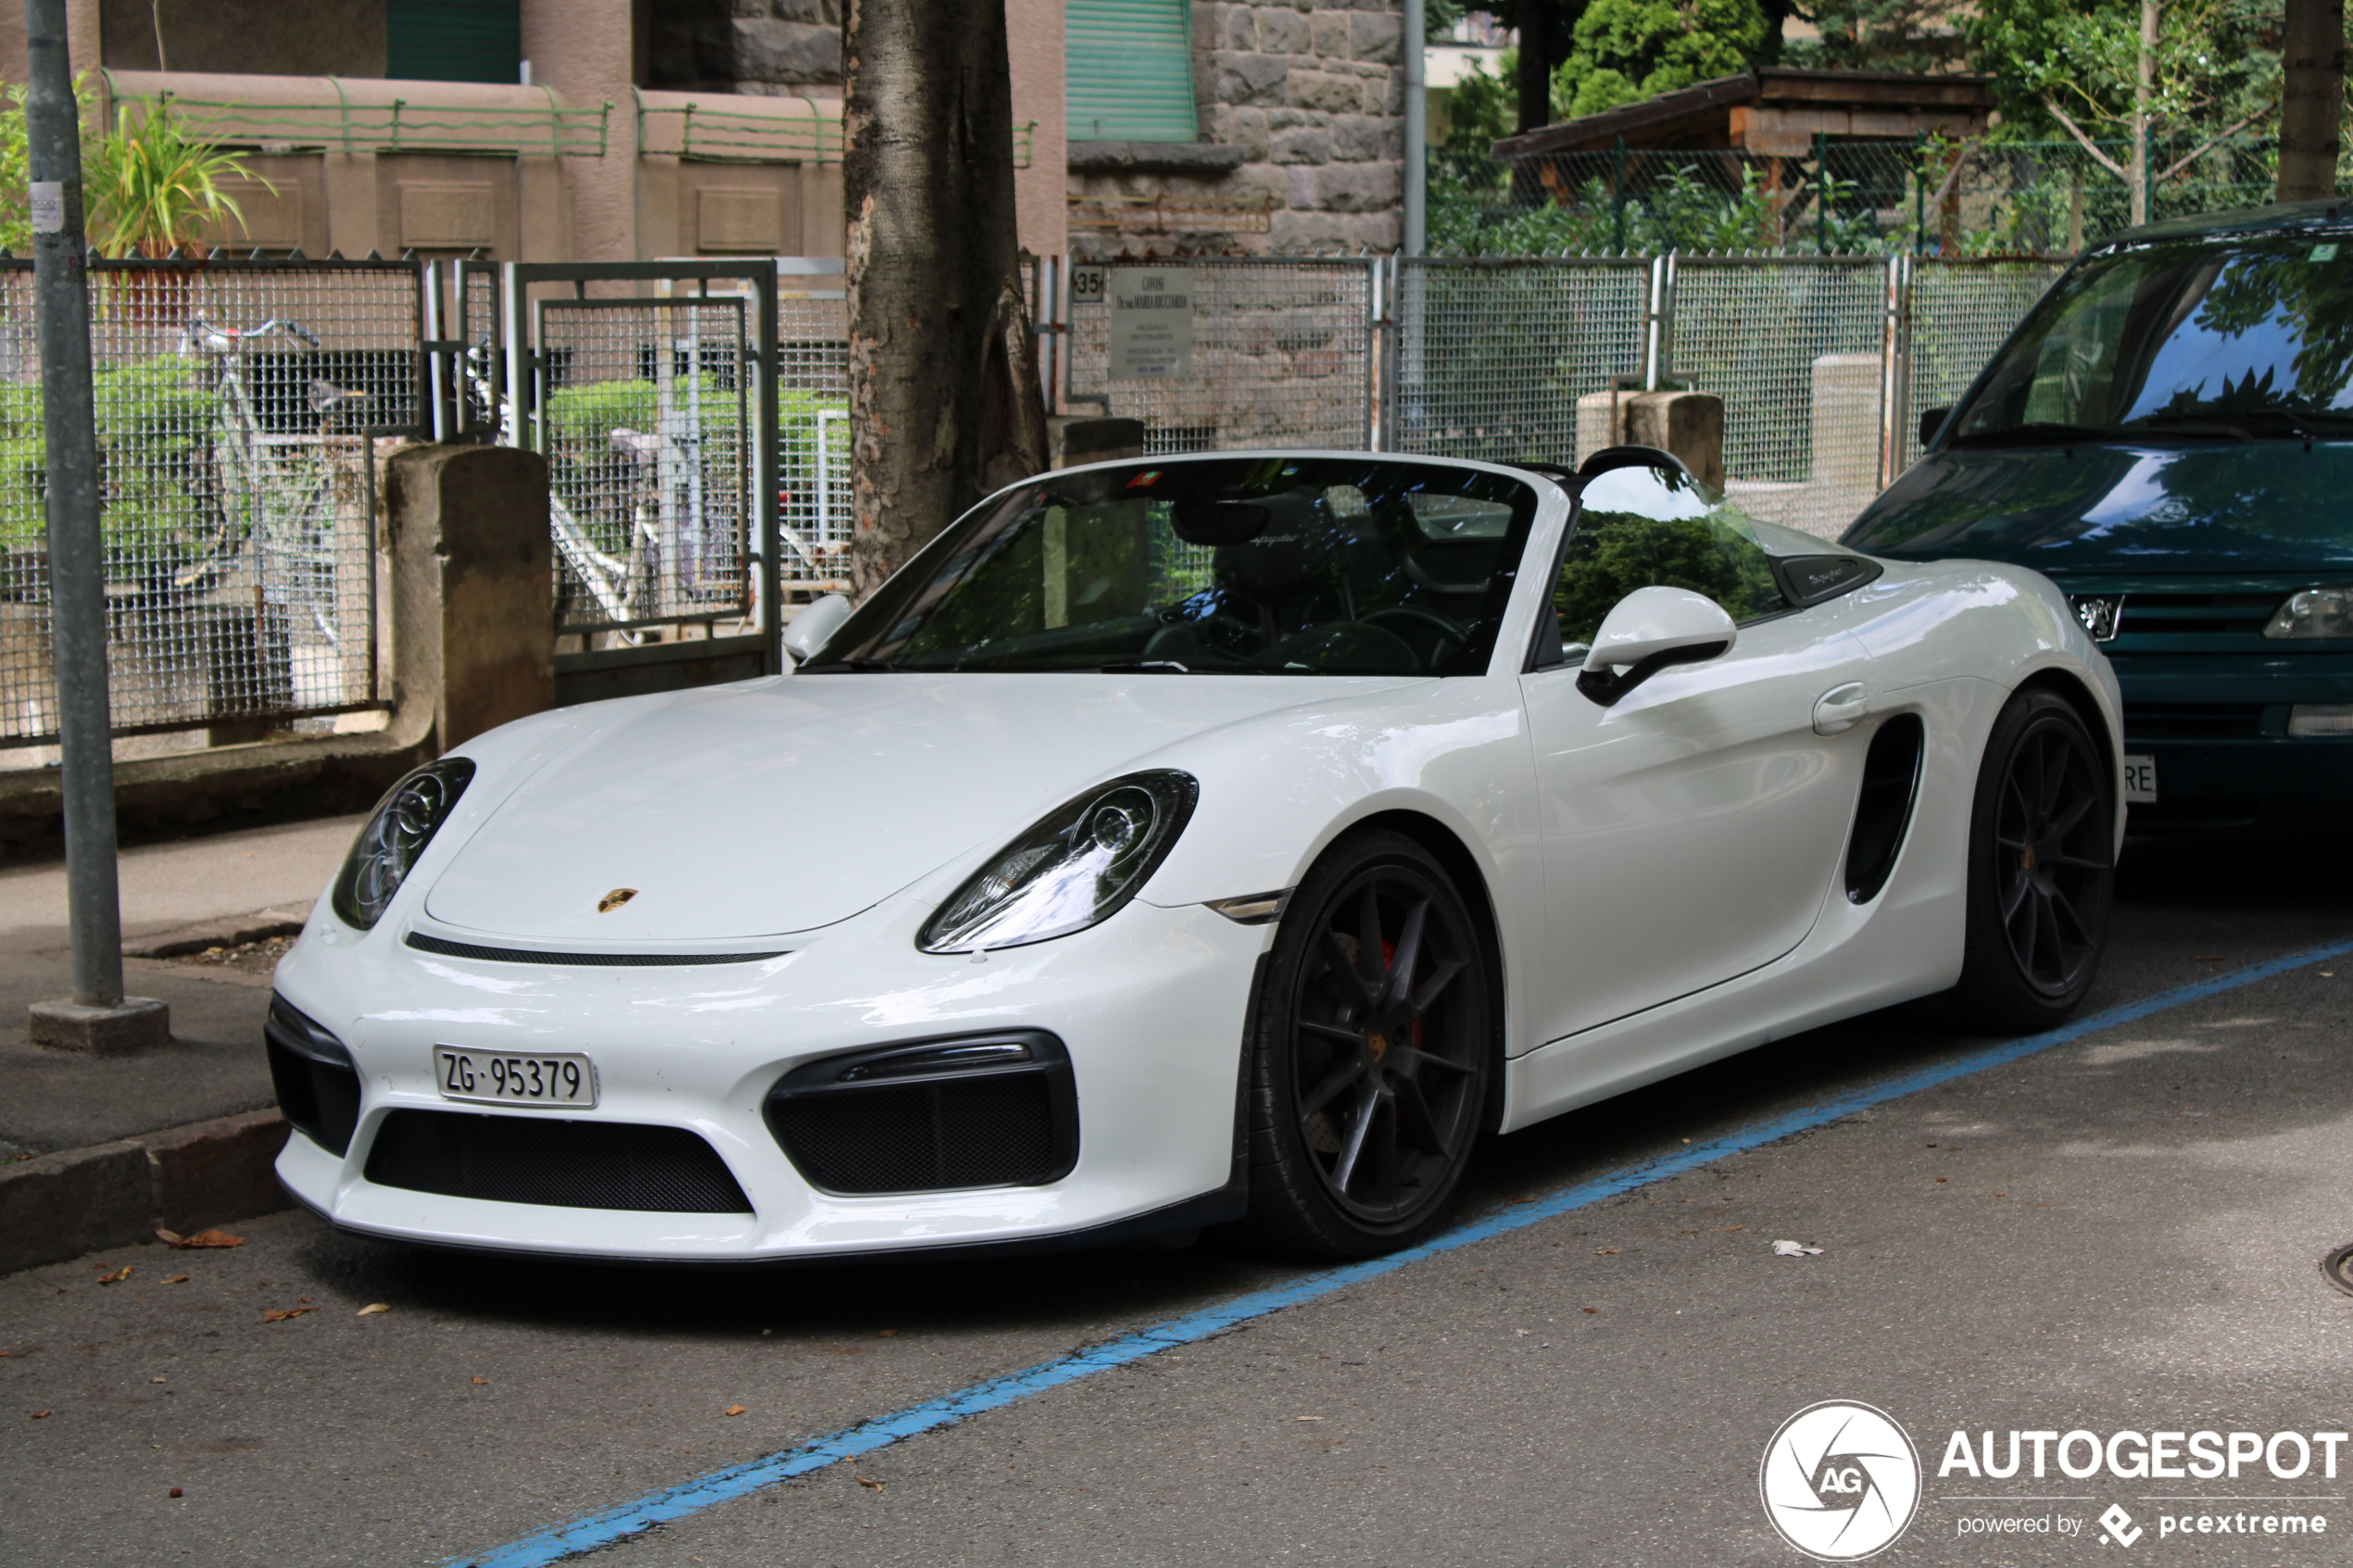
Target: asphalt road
(2122,1233)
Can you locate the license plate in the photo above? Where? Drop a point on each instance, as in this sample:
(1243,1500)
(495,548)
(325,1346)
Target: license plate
(2140,780)
(514,1078)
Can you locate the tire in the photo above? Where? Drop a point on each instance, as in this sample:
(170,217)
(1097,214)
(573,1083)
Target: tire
(2041,868)
(1366,1097)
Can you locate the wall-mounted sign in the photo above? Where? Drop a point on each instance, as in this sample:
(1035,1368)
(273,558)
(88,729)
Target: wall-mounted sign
(1151,322)
(1087,282)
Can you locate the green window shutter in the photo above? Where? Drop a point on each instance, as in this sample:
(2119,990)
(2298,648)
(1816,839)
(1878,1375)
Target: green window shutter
(453,39)
(1127,70)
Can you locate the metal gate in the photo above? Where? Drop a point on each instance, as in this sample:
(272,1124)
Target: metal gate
(237,405)
(656,409)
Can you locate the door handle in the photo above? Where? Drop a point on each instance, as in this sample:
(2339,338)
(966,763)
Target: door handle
(1840,708)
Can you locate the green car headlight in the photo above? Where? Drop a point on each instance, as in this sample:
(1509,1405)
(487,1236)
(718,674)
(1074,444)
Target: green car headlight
(1076,867)
(387,849)
(2314,613)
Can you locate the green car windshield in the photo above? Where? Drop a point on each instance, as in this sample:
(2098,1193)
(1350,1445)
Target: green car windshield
(2198,339)
(1272,566)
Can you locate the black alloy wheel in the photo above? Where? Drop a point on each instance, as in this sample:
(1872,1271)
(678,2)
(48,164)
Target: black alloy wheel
(1374,1042)
(2042,866)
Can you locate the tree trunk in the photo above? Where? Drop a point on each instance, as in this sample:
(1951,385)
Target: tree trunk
(944,399)
(1535,85)
(2311,98)
(2143,89)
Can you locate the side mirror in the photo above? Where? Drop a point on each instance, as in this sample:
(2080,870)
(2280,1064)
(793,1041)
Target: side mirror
(1651,629)
(1932,420)
(815,626)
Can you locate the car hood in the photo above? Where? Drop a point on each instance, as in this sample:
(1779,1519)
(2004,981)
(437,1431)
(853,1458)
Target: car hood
(2255,506)
(785,805)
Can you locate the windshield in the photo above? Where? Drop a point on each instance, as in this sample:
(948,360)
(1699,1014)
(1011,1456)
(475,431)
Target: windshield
(1238,566)
(2203,339)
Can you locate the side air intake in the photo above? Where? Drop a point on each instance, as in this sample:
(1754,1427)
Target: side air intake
(1890,783)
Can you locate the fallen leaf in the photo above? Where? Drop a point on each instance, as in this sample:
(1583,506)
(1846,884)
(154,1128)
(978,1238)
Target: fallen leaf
(175,1279)
(1307,1418)
(482,1383)
(1793,1250)
(172,1236)
(1605,1251)
(2001,1195)
(1592,1311)
(734,1409)
(38,1415)
(155,1380)
(864,1481)
(119,1276)
(1940,1178)
(373,1307)
(281,1314)
(175,1491)
(1722,1229)
(886,1334)
(203,1238)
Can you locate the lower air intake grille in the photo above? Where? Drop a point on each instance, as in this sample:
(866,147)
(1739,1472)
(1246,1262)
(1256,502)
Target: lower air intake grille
(568,1164)
(915,1120)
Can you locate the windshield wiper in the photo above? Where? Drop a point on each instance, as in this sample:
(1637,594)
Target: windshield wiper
(2190,425)
(846,666)
(2035,435)
(1170,667)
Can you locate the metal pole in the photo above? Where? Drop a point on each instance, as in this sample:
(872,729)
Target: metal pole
(1416,134)
(77,559)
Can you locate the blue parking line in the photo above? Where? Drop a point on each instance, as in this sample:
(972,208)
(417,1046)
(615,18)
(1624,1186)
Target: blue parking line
(608,1526)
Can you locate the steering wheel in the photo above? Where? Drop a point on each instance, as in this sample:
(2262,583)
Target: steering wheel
(1430,617)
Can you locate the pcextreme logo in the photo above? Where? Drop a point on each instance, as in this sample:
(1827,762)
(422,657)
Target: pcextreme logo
(1840,1481)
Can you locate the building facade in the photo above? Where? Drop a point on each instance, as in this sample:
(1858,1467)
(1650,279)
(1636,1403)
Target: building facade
(616,129)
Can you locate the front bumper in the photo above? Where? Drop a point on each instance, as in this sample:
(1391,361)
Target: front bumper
(1149,1006)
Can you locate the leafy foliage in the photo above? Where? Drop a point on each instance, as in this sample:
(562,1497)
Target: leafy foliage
(1611,555)
(2217,62)
(154,186)
(1628,50)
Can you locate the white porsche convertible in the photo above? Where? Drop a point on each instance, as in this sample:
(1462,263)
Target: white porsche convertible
(1230,839)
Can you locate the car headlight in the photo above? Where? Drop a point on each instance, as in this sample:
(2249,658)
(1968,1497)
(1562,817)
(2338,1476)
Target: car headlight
(404,821)
(2314,613)
(1074,868)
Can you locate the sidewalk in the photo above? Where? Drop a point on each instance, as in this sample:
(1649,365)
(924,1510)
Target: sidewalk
(181,1136)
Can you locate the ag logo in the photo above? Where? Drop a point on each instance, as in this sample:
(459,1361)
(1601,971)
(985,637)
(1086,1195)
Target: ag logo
(1840,1481)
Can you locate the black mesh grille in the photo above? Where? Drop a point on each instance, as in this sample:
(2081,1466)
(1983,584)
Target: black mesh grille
(995,1130)
(540,1160)
(425,944)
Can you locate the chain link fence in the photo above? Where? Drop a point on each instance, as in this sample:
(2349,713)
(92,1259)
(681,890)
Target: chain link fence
(1282,355)
(1923,196)
(1957,314)
(1502,359)
(238,403)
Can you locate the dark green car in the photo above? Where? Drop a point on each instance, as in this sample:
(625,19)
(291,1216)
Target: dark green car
(2169,437)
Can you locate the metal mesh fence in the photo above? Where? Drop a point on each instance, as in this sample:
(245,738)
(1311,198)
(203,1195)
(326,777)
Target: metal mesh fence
(476,321)
(1793,347)
(1923,196)
(1282,356)
(236,409)
(1957,314)
(1500,359)
(645,424)
(812,439)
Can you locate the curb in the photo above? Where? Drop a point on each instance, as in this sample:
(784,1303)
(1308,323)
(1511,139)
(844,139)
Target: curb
(60,1206)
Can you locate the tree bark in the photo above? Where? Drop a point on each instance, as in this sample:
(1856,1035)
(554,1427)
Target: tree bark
(2144,91)
(2312,98)
(945,404)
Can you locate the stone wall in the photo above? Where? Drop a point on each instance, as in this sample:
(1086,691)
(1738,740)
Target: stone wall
(1303,102)
(772,47)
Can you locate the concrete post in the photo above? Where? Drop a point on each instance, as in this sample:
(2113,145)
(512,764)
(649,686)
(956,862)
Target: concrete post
(1075,439)
(474,586)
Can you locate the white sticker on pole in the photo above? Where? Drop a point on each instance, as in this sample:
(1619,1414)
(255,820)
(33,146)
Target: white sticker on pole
(1151,322)
(48,207)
